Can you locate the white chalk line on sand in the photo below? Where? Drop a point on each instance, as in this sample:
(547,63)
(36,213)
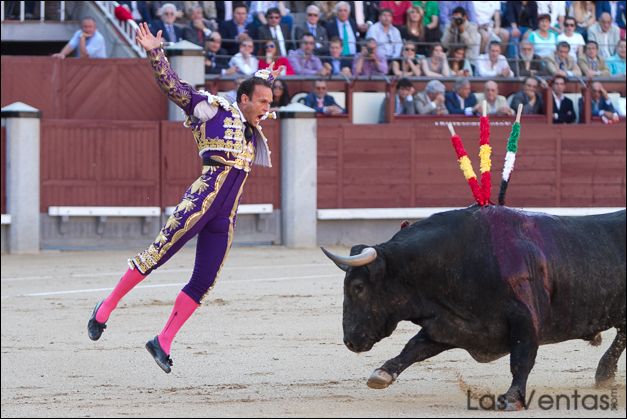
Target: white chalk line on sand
(179,284)
(160,271)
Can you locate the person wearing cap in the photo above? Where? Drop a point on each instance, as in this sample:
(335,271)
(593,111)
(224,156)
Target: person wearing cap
(230,142)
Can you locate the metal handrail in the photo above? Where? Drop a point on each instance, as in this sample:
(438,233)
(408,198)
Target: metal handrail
(127,29)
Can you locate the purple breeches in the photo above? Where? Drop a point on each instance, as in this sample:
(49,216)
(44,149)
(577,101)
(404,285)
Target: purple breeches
(208,209)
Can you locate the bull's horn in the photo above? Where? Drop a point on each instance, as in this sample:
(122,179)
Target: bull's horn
(365,257)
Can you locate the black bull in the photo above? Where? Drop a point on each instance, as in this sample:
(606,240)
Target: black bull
(493,281)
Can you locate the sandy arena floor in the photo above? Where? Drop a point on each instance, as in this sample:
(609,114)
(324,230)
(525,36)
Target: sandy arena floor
(267,342)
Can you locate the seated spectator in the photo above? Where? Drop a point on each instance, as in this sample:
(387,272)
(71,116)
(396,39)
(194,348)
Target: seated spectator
(337,64)
(198,28)
(370,61)
(388,38)
(244,63)
(431,100)
(529,97)
(344,27)
(303,60)
(461,101)
(87,41)
(409,64)
(591,64)
(430,20)
(437,64)
(489,23)
(398,10)
(259,13)
(269,56)
(521,16)
(460,31)
(458,64)
(209,12)
(606,34)
(616,63)
(493,64)
(275,31)
(585,15)
(527,63)
(563,107)
(543,39)
(574,39)
(280,95)
(313,26)
(561,63)
(216,61)
(496,104)
(617,10)
(232,29)
(321,101)
(157,10)
(557,11)
(170,31)
(601,105)
(404,99)
(414,29)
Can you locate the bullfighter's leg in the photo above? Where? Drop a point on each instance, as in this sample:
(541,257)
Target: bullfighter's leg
(524,347)
(419,348)
(609,362)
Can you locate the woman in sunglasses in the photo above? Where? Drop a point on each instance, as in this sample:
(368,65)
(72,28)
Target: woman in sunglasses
(409,63)
(270,55)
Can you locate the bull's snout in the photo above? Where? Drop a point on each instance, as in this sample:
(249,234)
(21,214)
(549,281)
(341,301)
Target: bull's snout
(349,345)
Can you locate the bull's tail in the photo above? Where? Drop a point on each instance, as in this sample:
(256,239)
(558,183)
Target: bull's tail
(594,340)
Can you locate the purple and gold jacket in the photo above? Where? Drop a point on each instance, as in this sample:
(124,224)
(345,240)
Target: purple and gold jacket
(217,126)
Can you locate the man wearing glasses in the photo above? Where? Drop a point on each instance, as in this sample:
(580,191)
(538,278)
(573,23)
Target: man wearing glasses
(275,31)
(312,26)
(171,32)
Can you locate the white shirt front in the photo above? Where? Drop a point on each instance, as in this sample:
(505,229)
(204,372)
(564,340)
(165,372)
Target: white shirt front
(277,33)
(485,67)
(575,41)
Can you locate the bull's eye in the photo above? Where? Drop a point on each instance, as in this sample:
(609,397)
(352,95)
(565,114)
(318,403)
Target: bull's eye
(358,288)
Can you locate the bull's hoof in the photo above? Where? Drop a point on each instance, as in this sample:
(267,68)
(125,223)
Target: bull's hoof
(513,405)
(380,379)
(605,375)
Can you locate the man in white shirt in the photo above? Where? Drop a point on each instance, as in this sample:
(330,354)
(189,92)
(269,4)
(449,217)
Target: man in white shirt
(606,34)
(574,39)
(387,36)
(493,64)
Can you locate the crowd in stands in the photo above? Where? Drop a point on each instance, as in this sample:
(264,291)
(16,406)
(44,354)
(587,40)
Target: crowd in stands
(535,40)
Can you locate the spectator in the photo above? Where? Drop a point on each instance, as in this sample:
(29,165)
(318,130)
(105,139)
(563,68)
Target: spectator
(496,104)
(521,16)
(321,101)
(557,11)
(275,31)
(409,64)
(171,32)
(606,34)
(88,42)
(313,26)
(327,11)
(430,20)
(489,23)
(543,39)
(157,9)
(585,15)
(244,63)
(563,108)
(437,64)
(387,36)
(232,29)
(616,9)
(414,30)
(344,28)
(398,9)
(561,63)
(209,12)
(529,97)
(335,63)
(447,10)
(370,61)
(591,64)
(460,31)
(259,14)
(280,95)
(458,64)
(528,63)
(616,63)
(601,105)
(198,29)
(269,56)
(403,100)
(303,60)
(461,101)
(493,64)
(574,39)
(431,100)
(215,56)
